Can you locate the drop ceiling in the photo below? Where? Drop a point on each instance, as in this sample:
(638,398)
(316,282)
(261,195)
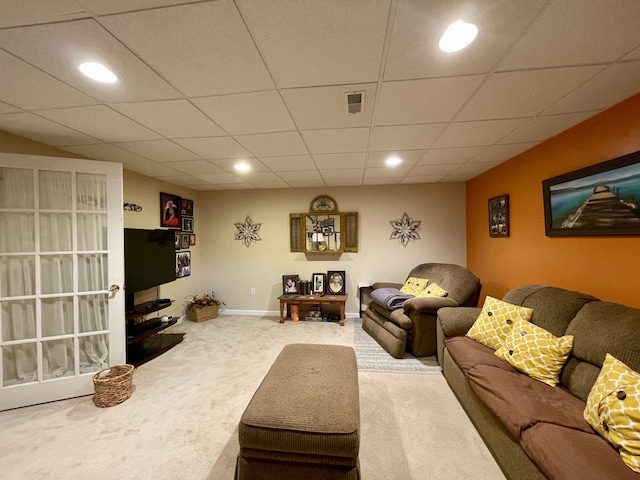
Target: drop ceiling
(204,84)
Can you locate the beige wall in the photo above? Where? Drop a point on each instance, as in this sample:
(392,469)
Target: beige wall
(226,266)
(231,269)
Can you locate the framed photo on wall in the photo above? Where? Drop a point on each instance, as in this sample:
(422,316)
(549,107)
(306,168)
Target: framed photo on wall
(187,224)
(169,210)
(290,283)
(192,239)
(177,240)
(183,264)
(186,208)
(184,241)
(336,282)
(499,216)
(318,281)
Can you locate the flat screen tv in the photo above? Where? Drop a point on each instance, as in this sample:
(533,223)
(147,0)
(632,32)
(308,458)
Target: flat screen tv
(149,258)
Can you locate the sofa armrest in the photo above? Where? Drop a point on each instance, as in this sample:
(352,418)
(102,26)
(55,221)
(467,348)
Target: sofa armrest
(397,286)
(427,304)
(457,321)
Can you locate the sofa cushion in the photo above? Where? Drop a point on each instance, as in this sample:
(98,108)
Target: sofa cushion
(467,353)
(536,352)
(566,454)
(434,290)
(495,322)
(414,286)
(521,402)
(613,409)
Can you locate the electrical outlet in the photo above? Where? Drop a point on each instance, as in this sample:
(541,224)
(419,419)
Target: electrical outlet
(253,291)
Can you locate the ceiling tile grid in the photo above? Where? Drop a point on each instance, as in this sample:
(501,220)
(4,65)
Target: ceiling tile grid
(206,83)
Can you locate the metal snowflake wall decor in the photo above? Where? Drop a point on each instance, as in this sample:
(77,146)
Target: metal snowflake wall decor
(248,231)
(405,229)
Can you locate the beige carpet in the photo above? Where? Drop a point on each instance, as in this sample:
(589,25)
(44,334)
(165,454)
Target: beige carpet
(181,421)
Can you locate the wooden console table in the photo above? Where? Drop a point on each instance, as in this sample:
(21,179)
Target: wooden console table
(340,300)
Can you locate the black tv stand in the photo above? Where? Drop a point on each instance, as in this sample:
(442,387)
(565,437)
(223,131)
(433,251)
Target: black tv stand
(144,340)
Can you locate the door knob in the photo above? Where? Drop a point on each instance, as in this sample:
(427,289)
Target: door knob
(113,289)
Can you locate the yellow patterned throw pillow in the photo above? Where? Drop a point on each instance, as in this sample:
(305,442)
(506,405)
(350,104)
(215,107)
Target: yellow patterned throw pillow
(433,290)
(414,285)
(536,352)
(495,322)
(613,409)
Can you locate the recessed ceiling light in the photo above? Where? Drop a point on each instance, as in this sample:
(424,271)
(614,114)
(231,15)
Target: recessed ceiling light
(457,36)
(98,72)
(242,167)
(393,161)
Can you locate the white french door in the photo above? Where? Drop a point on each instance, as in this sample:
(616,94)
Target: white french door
(61,272)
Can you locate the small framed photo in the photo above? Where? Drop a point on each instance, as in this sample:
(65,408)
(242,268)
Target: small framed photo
(187,224)
(177,240)
(336,282)
(186,208)
(169,210)
(290,283)
(318,281)
(499,216)
(183,264)
(192,239)
(184,241)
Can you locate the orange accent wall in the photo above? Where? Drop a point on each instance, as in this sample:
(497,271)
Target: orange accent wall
(606,267)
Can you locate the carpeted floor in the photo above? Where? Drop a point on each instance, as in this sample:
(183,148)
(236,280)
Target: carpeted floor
(182,420)
(373,358)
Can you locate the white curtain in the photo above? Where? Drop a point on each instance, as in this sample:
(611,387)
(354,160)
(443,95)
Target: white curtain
(51,221)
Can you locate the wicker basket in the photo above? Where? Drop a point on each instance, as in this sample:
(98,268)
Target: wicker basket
(113,385)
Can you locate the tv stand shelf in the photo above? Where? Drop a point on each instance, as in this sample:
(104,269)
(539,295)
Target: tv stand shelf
(144,340)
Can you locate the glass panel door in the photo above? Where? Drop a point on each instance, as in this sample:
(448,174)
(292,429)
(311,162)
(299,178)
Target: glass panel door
(60,251)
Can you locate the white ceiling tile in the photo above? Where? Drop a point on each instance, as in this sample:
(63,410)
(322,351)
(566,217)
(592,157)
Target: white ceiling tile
(273,144)
(256,112)
(470,134)
(186,180)
(470,170)
(169,39)
(424,101)
(449,155)
(149,168)
(391,172)
(221,178)
(337,140)
(158,150)
(106,152)
(541,128)
(59,48)
(195,167)
(383,181)
(432,170)
(228,165)
(306,183)
(270,185)
(118,6)
(340,160)
(214,147)
(408,157)
(260,177)
(412,180)
(611,86)
(171,118)
(547,42)
(407,137)
(502,153)
(100,122)
(634,55)
(304,43)
(521,94)
(326,107)
(343,182)
(238,186)
(36,128)
(418,26)
(339,173)
(288,163)
(35,89)
(300,176)
(38,11)
(6,108)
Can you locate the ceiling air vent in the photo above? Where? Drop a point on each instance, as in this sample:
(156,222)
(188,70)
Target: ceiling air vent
(355,102)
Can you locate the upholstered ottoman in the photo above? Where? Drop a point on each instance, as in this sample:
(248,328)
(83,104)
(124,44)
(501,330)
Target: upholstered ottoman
(304,419)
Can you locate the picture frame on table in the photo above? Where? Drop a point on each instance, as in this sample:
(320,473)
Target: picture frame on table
(602,199)
(318,281)
(336,282)
(187,224)
(184,241)
(183,264)
(169,211)
(290,283)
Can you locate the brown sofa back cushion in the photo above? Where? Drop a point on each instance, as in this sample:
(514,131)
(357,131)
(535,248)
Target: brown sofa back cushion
(462,284)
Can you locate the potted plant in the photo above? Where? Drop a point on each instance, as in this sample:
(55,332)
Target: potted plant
(203,307)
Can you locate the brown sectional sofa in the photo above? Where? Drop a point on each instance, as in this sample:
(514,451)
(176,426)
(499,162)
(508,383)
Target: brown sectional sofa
(535,431)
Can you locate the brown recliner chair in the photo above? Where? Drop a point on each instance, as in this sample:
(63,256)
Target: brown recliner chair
(413,327)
